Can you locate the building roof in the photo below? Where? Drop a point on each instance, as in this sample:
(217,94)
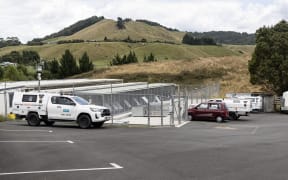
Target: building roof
(123,88)
(55,84)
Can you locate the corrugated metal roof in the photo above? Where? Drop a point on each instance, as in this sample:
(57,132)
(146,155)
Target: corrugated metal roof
(48,84)
(125,87)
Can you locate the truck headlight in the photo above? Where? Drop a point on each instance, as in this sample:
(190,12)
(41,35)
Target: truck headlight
(95,109)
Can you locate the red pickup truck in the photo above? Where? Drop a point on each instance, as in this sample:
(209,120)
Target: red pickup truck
(209,111)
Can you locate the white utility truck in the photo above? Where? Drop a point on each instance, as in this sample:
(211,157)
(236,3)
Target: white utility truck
(236,106)
(50,107)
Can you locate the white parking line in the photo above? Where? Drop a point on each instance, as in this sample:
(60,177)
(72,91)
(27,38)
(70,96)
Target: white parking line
(182,124)
(225,127)
(255,130)
(112,167)
(26,130)
(68,141)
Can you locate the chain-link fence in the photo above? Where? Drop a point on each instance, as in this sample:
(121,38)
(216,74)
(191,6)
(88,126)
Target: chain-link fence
(148,104)
(199,93)
(164,106)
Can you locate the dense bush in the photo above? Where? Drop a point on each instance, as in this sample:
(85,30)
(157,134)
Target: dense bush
(150,58)
(227,37)
(9,41)
(190,39)
(70,41)
(2,118)
(125,59)
(151,23)
(26,57)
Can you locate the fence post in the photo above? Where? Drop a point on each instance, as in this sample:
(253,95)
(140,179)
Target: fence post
(5,99)
(161,110)
(179,106)
(186,108)
(148,109)
(111,104)
(172,112)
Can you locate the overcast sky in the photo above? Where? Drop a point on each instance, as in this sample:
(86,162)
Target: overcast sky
(28,19)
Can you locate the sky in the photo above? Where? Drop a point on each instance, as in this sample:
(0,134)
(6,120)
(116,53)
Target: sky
(28,19)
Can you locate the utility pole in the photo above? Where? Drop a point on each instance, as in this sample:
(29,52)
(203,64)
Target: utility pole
(39,69)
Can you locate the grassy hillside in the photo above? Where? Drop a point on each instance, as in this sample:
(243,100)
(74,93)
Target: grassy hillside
(135,30)
(231,71)
(178,63)
(101,53)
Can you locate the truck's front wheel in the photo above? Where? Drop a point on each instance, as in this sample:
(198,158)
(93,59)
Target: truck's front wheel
(84,121)
(33,119)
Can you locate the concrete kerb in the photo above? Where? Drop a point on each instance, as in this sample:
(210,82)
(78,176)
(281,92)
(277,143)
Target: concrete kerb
(127,120)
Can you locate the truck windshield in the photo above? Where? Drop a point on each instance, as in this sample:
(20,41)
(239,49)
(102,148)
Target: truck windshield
(80,100)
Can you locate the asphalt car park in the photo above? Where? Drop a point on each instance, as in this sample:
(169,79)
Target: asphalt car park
(253,147)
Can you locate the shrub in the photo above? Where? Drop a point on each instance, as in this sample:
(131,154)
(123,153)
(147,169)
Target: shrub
(2,118)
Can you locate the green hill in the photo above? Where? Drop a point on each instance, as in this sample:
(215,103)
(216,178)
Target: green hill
(164,43)
(101,53)
(177,62)
(135,30)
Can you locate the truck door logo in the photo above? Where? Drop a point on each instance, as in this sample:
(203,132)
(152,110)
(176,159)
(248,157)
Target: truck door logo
(65,110)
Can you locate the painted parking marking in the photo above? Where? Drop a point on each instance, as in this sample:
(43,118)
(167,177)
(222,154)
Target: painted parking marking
(68,141)
(182,124)
(113,166)
(253,132)
(71,142)
(25,130)
(225,127)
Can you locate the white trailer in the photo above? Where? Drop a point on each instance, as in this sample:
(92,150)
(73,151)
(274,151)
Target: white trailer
(256,100)
(236,106)
(284,102)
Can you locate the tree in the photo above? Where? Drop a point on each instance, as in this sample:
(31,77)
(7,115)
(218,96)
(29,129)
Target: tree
(120,23)
(51,69)
(116,60)
(85,64)
(54,67)
(30,57)
(131,58)
(126,59)
(150,58)
(1,72)
(269,62)
(68,65)
(13,56)
(189,38)
(27,57)
(10,41)
(13,74)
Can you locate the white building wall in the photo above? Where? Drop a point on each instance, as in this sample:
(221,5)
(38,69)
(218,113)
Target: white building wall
(2,104)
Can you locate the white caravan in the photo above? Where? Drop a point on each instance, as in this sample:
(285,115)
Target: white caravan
(284,102)
(236,106)
(256,100)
